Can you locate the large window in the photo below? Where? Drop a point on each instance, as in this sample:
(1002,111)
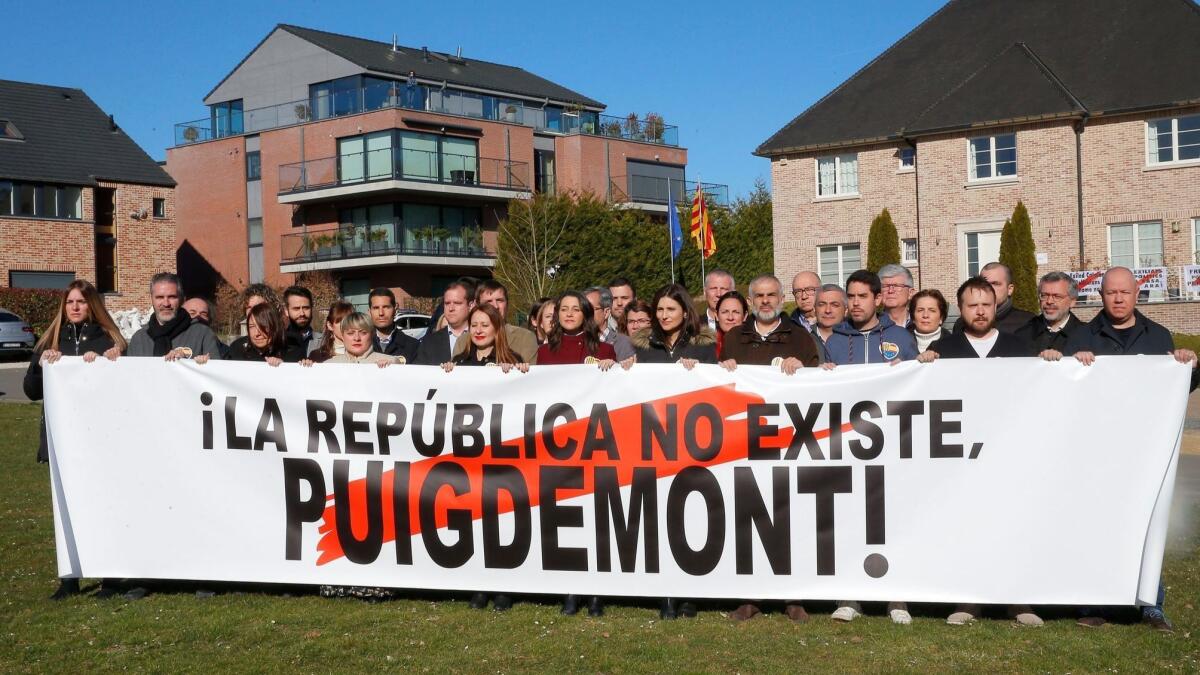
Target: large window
(1175,139)
(418,155)
(837,262)
(336,97)
(38,200)
(1135,245)
(837,175)
(993,157)
(226,118)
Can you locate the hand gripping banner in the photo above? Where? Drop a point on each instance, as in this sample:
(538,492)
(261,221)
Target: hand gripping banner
(991,481)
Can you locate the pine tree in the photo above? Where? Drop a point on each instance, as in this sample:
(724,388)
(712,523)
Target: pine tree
(883,243)
(1019,253)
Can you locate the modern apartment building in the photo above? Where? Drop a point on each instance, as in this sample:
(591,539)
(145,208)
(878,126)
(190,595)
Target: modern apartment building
(390,165)
(78,198)
(1086,110)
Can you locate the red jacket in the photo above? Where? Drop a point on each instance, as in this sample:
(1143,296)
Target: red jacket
(571,350)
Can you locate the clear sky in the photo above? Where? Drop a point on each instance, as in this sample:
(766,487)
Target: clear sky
(729,74)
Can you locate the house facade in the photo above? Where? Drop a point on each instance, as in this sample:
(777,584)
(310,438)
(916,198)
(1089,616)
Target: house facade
(1100,142)
(78,198)
(389,165)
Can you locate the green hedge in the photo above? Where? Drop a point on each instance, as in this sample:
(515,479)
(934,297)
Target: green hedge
(36,305)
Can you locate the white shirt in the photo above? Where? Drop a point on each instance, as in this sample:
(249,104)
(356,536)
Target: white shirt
(453,337)
(983,346)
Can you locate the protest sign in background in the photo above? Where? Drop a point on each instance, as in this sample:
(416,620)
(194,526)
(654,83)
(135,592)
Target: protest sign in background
(988,481)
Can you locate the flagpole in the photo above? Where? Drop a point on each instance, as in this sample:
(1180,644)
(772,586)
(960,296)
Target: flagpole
(670,232)
(703,236)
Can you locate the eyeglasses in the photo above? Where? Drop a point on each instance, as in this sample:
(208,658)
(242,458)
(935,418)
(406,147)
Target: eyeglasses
(637,322)
(895,287)
(1052,296)
(804,291)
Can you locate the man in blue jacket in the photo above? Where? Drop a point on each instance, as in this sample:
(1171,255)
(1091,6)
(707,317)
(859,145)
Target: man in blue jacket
(866,337)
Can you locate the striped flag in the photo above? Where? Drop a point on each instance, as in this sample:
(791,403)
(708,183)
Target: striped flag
(701,229)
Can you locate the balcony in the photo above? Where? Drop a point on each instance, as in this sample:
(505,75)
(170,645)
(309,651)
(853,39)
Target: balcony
(649,193)
(544,118)
(360,246)
(403,170)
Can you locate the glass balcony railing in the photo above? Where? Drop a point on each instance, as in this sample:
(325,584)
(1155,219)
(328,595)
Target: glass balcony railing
(403,164)
(654,190)
(358,241)
(552,119)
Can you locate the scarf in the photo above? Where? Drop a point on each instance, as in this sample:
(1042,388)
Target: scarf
(163,334)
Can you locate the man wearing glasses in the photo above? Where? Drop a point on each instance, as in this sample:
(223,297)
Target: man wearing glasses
(1057,294)
(805,286)
(897,286)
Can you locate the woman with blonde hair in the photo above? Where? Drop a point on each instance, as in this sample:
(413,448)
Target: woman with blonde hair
(81,327)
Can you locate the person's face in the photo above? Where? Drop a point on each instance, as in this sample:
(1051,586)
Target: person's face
(896,292)
(622,296)
(978,310)
(197,309)
(1119,292)
(570,314)
(730,315)
(598,312)
(831,309)
(252,302)
(670,315)
(164,298)
(383,313)
(258,337)
(635,321)
(454,307)
(76,307)
(357,341)
(715,286)
(1055,297)
(299,311)
(483,333)
(497,298)
(926,315)
(999,281)
(804,289)
(546,321)
(862,303)
(766,299)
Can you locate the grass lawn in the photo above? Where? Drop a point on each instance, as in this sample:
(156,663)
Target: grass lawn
(271,633)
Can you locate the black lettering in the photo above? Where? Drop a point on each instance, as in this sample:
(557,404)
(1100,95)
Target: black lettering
(232,440)
(457,520)
(497,479)
(270,427)
(434,447)
(824,482)
(401,517)
(803,436)
(643,510)
(322,418)
(551,479)
(774,527)
(876,522)
(366,549)
(389,421)
(554,413)
(299,511)
(499,449)
(939,427)
(866,429)
(691,435)
(352,427)
(701,481)
(757,429)
(599,436)
(906,410)
(666,434)
(835,431)
(467,425)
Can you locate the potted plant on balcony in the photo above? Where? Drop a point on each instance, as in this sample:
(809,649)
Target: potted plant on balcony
(190,134)
(472,239)
(439,235)
(612,128)
(654,127)
(423,235)
(573,110)
(301,111)
(510,113)
(378,238)
(633,126)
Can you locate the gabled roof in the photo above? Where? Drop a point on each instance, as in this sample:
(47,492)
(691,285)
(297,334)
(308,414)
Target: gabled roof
(994,61)
(68,139)
(470,72)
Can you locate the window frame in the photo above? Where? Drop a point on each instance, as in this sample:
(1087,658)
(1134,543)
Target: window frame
(842,272)
(158,207)
(973,168)
(904,259)
(1152,155)
(901,167)
(1137,254)
(838,191)
(256,164)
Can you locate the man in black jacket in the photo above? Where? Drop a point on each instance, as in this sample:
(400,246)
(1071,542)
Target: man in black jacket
(1008,318)
(437,346)
(388,339)
(1057,294)
(979,336)
(298,303)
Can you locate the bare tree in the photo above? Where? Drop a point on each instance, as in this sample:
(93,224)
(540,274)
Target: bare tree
(528,252)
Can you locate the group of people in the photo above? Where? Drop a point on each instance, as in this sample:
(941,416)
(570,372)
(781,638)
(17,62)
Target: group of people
(874,318)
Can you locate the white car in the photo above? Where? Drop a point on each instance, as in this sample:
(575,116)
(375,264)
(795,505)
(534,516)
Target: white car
(413,324)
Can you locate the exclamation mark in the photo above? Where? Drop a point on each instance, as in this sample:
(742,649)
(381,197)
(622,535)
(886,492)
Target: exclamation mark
(876,565)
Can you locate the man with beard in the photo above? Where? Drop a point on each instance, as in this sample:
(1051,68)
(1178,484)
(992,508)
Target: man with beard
(1008,318)
(171,332)
(622,293)
(299,334)
(437,346)
(389,340)
(866,337)
(1057,293)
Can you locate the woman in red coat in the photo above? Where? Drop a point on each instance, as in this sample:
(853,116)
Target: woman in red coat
(575,337)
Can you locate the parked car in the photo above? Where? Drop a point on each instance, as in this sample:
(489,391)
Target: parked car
(413,323)
(16,336)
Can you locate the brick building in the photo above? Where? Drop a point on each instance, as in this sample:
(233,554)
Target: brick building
(1086,110)
(78,198)
(390,165)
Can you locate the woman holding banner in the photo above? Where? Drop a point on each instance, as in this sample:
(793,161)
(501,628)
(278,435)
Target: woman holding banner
(356,332)
(488,344)
(675,334)
(575,337)
(82,327)
(265,340)
(927,310)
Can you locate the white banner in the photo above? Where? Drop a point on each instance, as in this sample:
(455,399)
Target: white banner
(1148,279)
(959,481)
(1190,276)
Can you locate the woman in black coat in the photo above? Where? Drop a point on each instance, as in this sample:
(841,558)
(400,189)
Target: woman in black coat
(265,340)
(675,334)
(82,327)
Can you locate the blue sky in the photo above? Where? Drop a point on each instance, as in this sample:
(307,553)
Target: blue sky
(729,74)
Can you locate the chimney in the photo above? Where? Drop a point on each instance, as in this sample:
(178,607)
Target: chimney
(425,54)
(394,46)
(112,123)
(459,53)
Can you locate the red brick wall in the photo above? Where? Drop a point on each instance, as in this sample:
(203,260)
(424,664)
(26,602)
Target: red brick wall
(579,161)
(210,208)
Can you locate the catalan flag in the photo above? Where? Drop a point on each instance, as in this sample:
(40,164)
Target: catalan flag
(701,229)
